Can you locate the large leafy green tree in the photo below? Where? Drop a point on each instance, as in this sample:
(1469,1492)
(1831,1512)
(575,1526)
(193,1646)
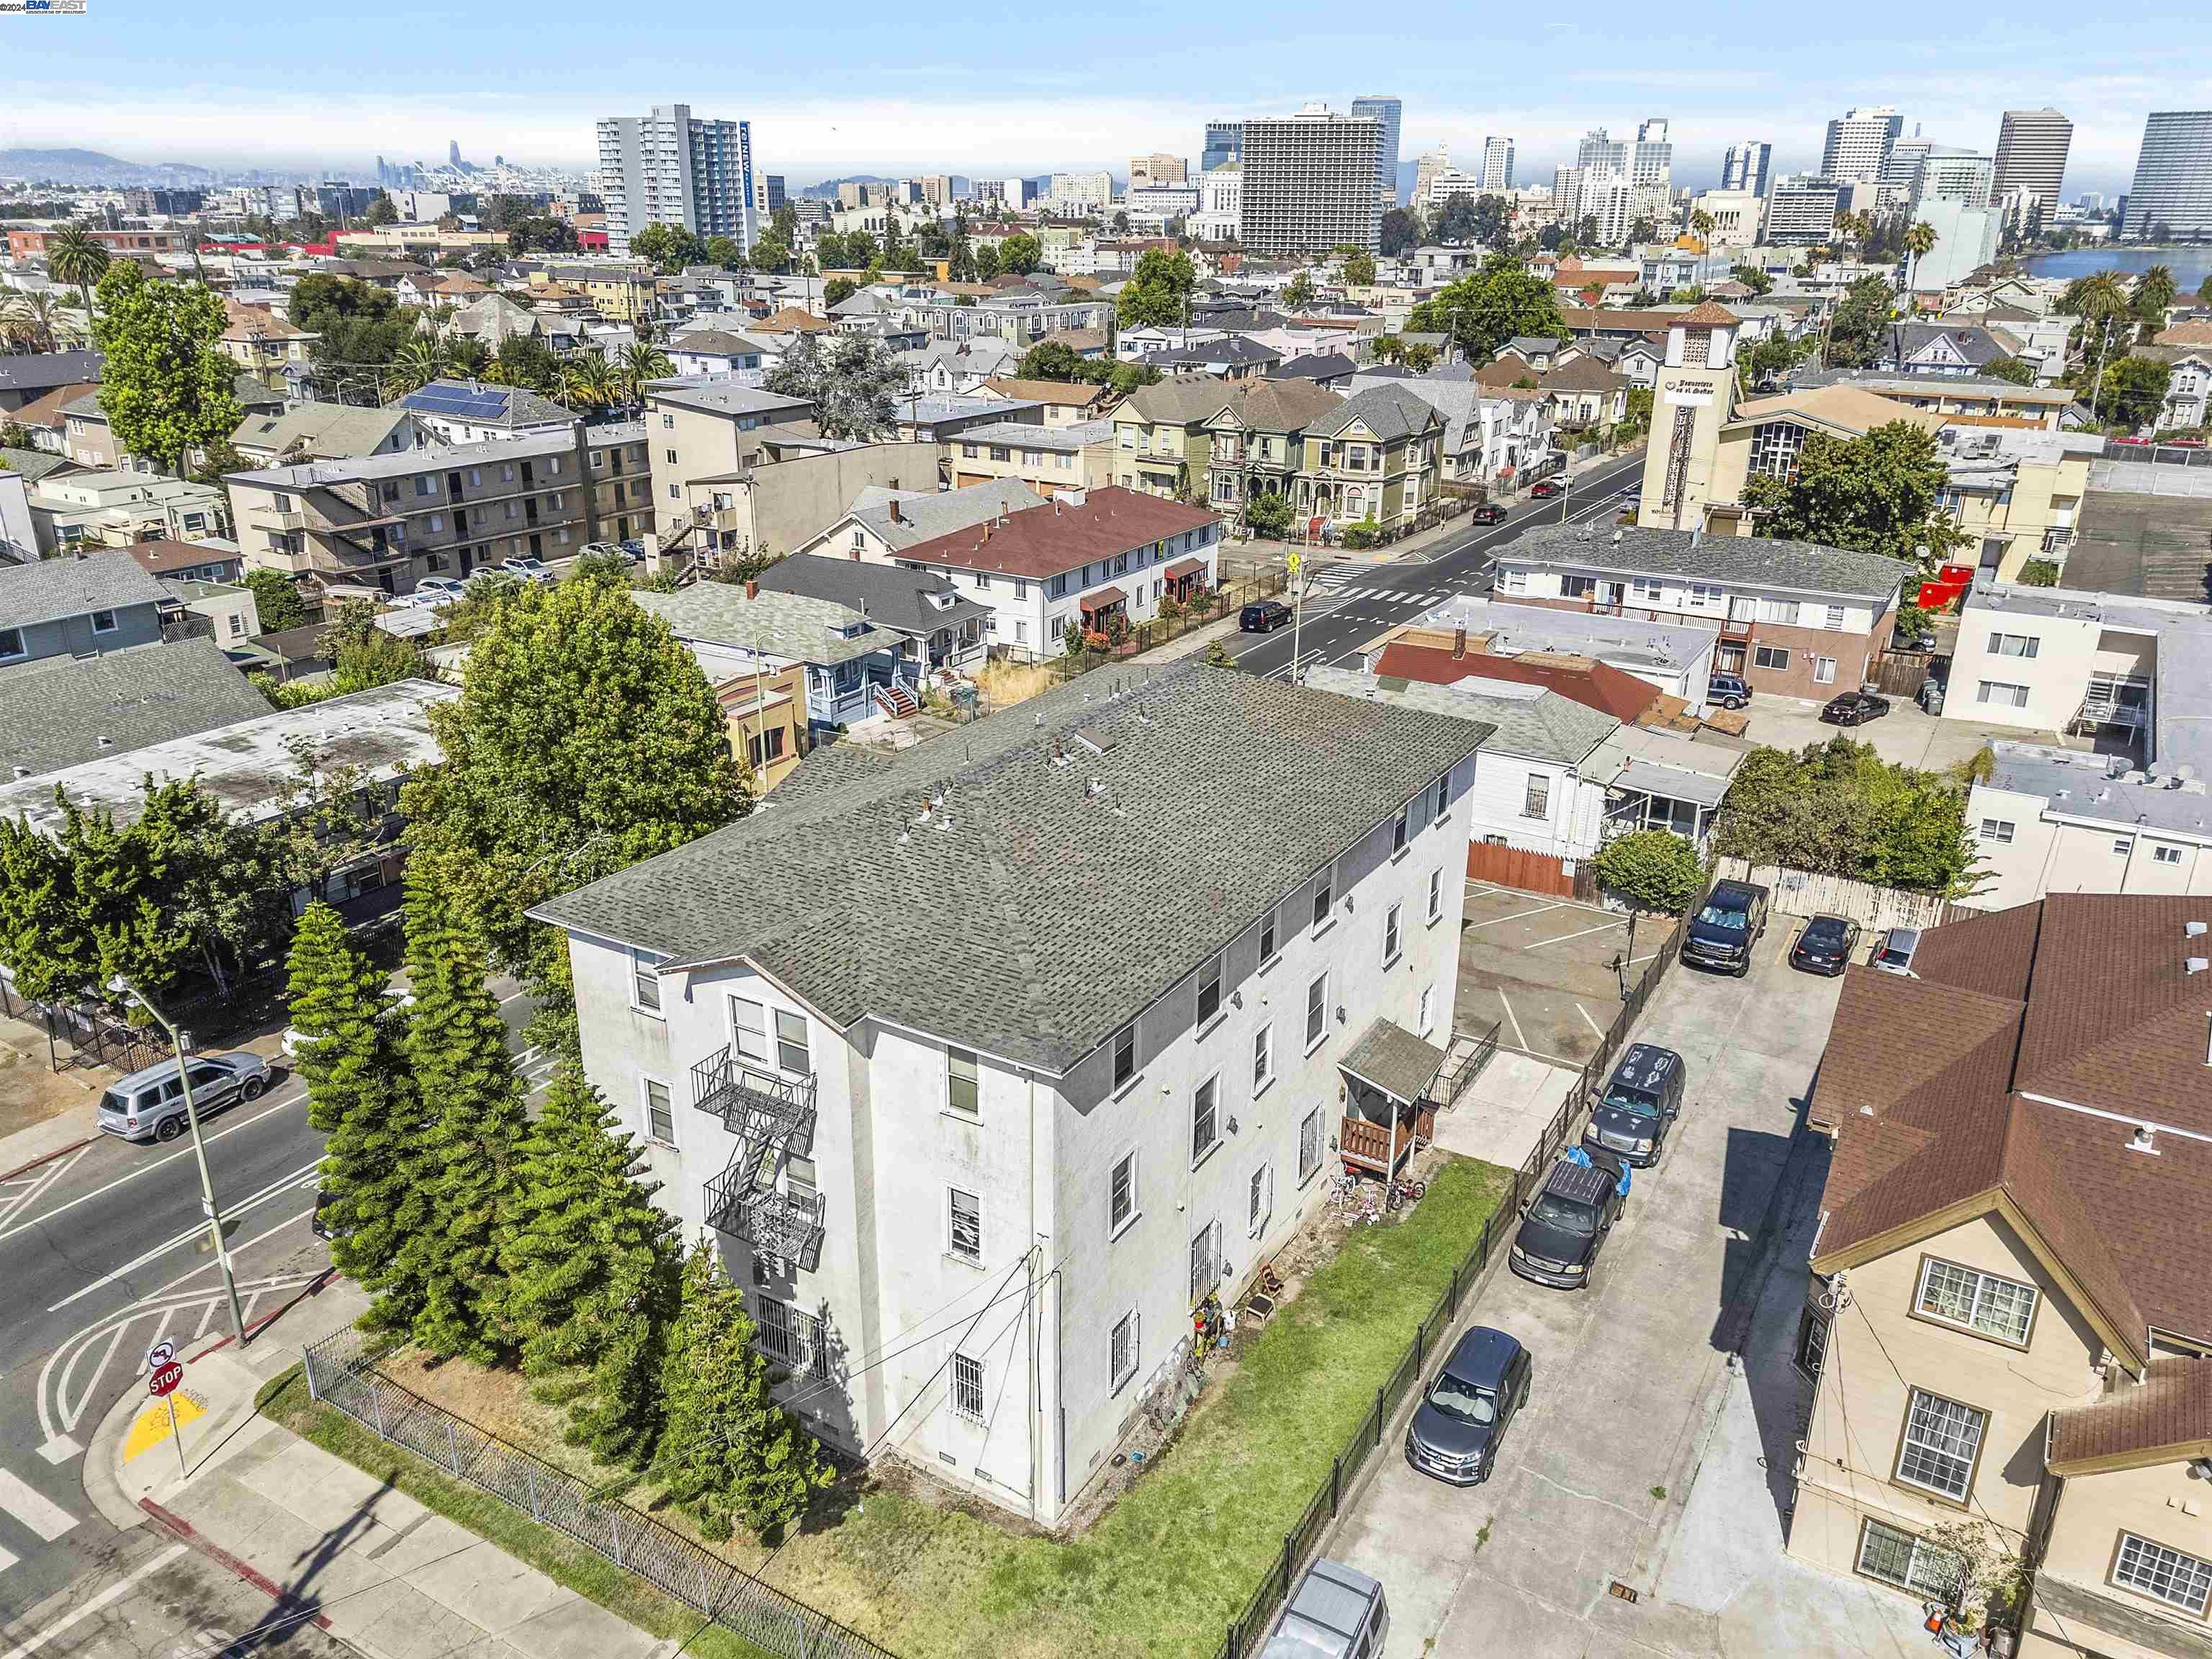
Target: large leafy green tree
(362,1098)
(473,1148)
(1400,231)
(359,329)
(167,388)
(1157,291)
(1856,333)
(1840,809)
(277,601)
(728,1452)
(1020,253)
(2130,391)
(852,380)
(584,739)
(1656,869)
(1485,308)
(1878,493)
(670,248)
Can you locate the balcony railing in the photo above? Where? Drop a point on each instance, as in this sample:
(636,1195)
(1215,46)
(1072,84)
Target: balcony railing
(796,1340)
(785,1224)
(764,1110)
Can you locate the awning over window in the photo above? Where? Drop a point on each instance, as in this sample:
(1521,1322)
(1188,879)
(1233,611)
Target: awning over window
(1182,568)
(1103,598)
(1672,782)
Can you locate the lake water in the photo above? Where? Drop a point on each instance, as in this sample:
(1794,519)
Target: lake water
(2189,265)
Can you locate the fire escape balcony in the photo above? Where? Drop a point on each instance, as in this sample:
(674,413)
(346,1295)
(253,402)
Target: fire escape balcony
(768,1112)
(788,1224)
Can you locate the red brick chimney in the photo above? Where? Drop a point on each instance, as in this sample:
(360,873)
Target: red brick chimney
(752,590)
(1459,642)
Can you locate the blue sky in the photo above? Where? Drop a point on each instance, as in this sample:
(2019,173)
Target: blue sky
(994,89)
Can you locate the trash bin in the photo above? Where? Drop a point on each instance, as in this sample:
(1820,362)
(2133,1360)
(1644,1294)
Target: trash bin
(1931,697)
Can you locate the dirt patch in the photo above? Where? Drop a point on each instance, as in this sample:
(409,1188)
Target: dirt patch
(31,1093)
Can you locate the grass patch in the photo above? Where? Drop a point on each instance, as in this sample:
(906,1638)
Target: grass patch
(1158,1576)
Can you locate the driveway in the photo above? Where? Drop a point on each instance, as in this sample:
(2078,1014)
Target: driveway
(1633,1378)
(1904,734)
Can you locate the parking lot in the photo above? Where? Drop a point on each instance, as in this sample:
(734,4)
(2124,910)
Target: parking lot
(1904,735)
(1549,971)
(1632,1379)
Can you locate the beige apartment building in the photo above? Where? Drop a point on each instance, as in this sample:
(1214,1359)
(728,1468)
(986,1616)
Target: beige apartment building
(715,428)
(2011,1310)
(388,521)
(1047,458)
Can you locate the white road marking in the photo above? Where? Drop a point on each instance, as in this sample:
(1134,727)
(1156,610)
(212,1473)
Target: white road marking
(34,1509)
(72,1415)
(60,1449)
(1517,915)
(1519,1040)
(275,1189)
(1603,927)
(35,1185)
(1596,1029)
(61,1626)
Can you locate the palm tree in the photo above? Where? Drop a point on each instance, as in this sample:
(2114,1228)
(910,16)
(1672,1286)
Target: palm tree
(587,380)
(419,362)
(641,362)
(467,354)
(74,258)
(1919,243)
(2155,290)
(1701,224)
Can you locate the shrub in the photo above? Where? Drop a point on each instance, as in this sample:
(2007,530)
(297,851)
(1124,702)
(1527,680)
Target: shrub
(1361,534)
(1268,516)
(2038,573)
(1654,869)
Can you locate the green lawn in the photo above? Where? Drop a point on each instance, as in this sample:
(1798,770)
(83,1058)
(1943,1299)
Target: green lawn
(1161,1575)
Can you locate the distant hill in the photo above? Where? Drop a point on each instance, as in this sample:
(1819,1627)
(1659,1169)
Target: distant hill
(90,166)
(829,186)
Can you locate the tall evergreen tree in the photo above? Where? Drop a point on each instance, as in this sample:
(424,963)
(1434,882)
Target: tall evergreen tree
(362,1097)
(618,1415)
(728,1451)
(456,1045)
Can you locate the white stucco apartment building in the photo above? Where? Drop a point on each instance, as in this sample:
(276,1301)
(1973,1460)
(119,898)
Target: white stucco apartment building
(1069,1042)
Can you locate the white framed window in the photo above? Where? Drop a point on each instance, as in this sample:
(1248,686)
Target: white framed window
(2164,1574)
(962,1082)
(968,1387)
(749,1029)
(659,1119)
(2166,855)
(1772,657)
(2001,693)
(2002,1308)
(1997,829)
(1942,1438)
(1121,1351)
(2014,645)
(2123,845)
(1443,800)
(103,622)
(1516,581)
(1209,991)
(1125,1056)
(1204,1118)
(791,1051)
(1896,1557)
(1259,1200)
(1536,797)
(1779,610)
(644,982)
(1269,949)
(1121,1193)
(1309,1145)
(1435,894)
(1823,671)
(1324,895)
(963,1225)
(1393,940)
(1263,1058)
(1428,1015)
(11,642)
(1317,1011)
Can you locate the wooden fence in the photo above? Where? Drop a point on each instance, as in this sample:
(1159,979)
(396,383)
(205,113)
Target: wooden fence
(1802,893)
(1899,673)
(1532,873)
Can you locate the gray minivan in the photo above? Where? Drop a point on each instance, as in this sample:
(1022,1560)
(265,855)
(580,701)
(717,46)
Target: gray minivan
(1338,1613)
(149,1105)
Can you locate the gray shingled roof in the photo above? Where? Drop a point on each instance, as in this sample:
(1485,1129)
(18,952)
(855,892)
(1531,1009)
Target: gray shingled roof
(887,595)
(33,465)
(790,626)
(42,371)
(1531,721)
(329,430)
(1048,904)
(523,406)
(926,516)
(59,710)
(1757,562)
(1389,412)
(54,588)
(1394,1060)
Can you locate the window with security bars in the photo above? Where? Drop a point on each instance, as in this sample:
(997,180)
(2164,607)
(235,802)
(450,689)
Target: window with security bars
(1941,1438)
(968,1386)
(2178,1580)
(1898,1558)
(1309,1145)
(1122,1349)
(2002,1308)
(1205,1260)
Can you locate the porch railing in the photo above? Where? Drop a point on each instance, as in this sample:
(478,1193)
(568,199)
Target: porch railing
(764,1108)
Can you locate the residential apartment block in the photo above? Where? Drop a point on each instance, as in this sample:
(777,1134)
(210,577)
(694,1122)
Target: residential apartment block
(1042,1137)
(1310,183)
(385,522)
(2009,1317)
(84,605)
(668,168)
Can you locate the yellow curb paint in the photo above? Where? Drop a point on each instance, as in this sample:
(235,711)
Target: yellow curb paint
(151,1426)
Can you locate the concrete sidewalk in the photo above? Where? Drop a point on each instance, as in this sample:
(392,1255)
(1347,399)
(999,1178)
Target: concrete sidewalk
(325,1542)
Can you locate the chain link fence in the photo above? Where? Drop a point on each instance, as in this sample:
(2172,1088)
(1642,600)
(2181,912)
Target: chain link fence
(342,1375)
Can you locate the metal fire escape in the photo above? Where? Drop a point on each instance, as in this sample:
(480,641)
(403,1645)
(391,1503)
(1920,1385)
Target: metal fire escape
(773,1118)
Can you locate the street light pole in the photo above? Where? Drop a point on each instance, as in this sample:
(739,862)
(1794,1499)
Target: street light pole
(208,1205)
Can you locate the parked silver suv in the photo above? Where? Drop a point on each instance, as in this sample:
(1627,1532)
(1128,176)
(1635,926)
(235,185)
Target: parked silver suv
(149,1105)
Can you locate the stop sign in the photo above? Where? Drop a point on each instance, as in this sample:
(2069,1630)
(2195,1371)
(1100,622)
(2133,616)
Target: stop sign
(165,1379)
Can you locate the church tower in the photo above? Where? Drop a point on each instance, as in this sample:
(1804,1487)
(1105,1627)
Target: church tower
(1694,397)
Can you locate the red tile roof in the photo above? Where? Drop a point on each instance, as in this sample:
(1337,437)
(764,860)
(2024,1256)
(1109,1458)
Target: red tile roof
(1600,686)
(159,557)
(46,411)
(1044,540)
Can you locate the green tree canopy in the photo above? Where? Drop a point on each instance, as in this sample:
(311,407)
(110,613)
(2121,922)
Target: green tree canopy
(852,381)
(1840,809)
(1400,231)
(2018,370)
(1857,331)
(1049,359)
(1358,268)
(1752,278)
(670,248)
(1654,869)
(1020,253)
(1878,493)
(2132,389)
(166,389)
(1157,292)
(1485,308)
(724,251)
(359,327)
(837,290)
(276,600)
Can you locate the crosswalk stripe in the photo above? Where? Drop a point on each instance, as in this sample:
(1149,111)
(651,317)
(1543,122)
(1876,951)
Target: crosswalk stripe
(42,1516)
(7,1559)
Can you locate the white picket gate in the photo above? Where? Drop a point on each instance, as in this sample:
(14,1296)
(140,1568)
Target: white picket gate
(1802,893)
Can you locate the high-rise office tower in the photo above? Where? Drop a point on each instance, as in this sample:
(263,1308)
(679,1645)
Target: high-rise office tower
(1496,164)
(1652,164)
(1427,169)
(1387,111)
(1224,143)
(1310,182)
(454,154)
(669,168)
(2032,146)
(1604,153)
(1947,173)
(768,197)
(1748,166)
(2172,190)
(1859,144)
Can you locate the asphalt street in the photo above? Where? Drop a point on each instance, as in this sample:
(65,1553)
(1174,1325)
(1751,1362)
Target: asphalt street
(1348,603)
(103,1252)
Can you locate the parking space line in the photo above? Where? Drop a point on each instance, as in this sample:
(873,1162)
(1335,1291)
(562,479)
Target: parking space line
(1517,914)
(1584,934)
(1597,1029)
(1520,1041)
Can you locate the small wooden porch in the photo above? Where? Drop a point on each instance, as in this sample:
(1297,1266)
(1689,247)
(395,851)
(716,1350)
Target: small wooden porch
(1394,1083)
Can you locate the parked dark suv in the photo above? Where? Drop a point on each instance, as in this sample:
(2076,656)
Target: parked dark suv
(1631,1119)
(1722,935)
(1470,1403)
(1263,616)
(1729,690)
(1565,1223)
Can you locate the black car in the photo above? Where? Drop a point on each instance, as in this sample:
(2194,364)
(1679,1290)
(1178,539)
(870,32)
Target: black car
(1469,1404)
(1722,934)
(1729,690)
(1826,945)
(1631,1118)
(1263,616)
(1487,512)
(1912,639)
(1854,708)
(1566,1223)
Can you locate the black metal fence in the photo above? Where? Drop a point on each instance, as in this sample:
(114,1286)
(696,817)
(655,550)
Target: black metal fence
(78,1037)
(1247,1631)
(342,1375)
